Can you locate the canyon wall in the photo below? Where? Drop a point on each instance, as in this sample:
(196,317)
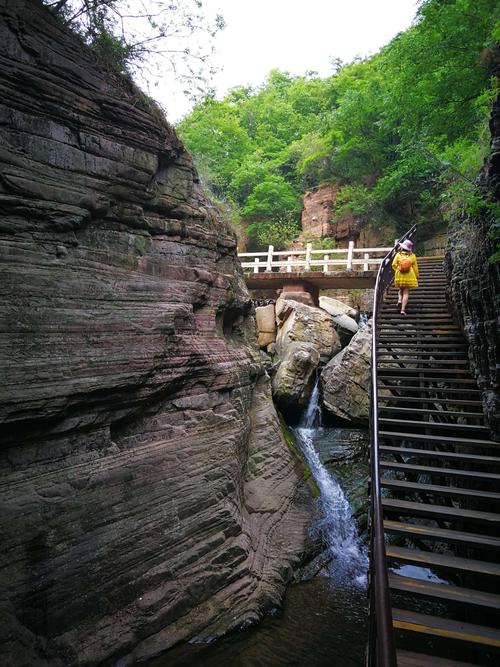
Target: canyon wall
(147,493)
(475,280)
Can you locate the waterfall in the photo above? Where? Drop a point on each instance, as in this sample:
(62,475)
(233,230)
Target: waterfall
(348,562)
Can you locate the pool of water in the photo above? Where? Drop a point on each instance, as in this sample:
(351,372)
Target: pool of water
(323,621)
(319,625)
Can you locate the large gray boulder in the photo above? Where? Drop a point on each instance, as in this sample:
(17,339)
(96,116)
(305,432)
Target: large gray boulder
(298,322)
(342,318)
(294,378)
(345,380)
(336,307)
(266,324)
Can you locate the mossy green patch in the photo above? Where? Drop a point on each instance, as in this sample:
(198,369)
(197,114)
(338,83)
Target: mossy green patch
(296,451)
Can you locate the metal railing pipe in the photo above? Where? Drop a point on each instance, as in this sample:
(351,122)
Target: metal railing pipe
(381,648)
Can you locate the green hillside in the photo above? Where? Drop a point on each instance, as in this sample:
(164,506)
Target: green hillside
(403,132)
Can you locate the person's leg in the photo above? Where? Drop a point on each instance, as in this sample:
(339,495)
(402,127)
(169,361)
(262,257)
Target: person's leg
(404,301)
(400,296)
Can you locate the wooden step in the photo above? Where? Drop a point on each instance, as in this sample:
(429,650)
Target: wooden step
(450,456)
(410,508)
(438,439)
(441,472)
(444,627)
(424,318)
(424,412)
(410,659)
(412,530)
(440,363)
(449,392)
(443,401)
(427,340)
(418,356)
(445,491)
(425,375)
(429,559)
(410,424)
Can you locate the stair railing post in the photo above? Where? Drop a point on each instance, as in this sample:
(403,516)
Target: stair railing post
(289,264)
(308,257)
(350,252)
(256,265)
(366,258)
(325,265)
(269,265)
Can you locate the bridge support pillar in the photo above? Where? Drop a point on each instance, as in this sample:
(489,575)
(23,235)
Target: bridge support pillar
(291,286)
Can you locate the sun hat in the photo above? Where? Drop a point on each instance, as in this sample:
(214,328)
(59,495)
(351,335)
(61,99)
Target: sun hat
(406,245)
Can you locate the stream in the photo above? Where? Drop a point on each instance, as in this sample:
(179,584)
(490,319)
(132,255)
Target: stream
(323,620)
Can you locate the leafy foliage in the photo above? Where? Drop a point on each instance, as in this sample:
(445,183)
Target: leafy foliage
(146,39)
(403,133)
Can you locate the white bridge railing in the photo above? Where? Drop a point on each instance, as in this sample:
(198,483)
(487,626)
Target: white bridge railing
(350,257)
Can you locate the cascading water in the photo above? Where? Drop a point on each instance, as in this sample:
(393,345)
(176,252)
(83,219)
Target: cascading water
(348,562)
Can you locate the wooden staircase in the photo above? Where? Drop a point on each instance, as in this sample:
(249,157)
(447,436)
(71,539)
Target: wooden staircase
(440,476)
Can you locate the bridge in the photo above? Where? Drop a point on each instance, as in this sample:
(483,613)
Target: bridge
(337,268)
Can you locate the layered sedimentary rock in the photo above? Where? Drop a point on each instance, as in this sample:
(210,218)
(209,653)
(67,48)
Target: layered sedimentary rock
(294,379)
(300,322)
(147,493)
(342,318)
(317,214)
(475,280)
(345,380)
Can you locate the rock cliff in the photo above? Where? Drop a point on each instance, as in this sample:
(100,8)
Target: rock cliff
(475,281)
(147,493)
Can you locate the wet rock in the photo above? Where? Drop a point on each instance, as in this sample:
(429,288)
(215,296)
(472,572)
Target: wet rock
(345,380)
(299,322)
(294,378)
(148,495)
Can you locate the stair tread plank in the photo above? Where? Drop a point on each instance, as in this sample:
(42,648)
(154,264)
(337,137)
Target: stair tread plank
(424,411)
(444,591)
(410,659)
(414,423)
(440,560)
(444,534)
(431,470)
(454,491)
(441,511)
(444,627)
(453,456)
(437,438)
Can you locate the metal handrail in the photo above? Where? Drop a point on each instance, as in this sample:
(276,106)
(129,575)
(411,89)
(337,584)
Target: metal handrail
(381,650)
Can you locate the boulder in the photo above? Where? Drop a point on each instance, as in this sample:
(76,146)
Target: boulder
(343,323)
(266,324)
(299,322)
(345,380)
(336,307)
(293,381)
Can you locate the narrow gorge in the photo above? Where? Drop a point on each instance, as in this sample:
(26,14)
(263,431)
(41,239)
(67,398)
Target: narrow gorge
(186,455)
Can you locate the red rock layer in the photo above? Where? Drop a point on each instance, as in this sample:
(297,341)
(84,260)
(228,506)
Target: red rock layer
(147,493)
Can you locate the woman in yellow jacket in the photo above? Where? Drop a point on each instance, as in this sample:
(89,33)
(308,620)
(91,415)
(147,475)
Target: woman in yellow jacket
(406,273)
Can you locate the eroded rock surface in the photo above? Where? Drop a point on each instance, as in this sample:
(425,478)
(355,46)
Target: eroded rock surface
(147,493)
(345,380)
(342,318)
(475,281)
(300,322)
(292,384)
